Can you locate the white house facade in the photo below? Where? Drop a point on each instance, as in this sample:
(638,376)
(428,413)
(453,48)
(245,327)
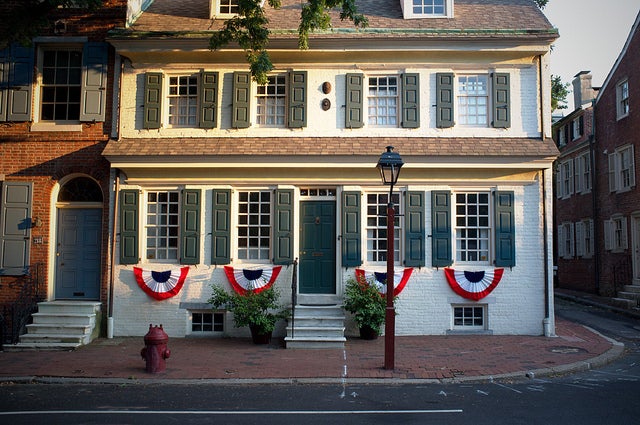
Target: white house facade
(213,171)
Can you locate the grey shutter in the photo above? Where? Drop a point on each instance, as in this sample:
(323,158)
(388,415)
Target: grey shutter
(221,227)
(414,230)
(501,100)
(441,229)
(410,100)
(190,228)
(241,103)
(208,99)
(15,233)
(20,83)
(283,232)
(505,255)
(152,100)
(297,99)
(354,117)
(94,82)
(4,82)
(351,249)
(129,227)
(444,100)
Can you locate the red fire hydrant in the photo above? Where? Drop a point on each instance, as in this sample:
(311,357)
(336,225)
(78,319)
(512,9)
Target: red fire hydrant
(155,349)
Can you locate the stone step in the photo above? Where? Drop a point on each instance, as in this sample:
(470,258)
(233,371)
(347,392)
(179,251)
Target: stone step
(41,346)
(634,296)
(52,339)
(632,288)
(312,343)
(624,303)
(318,321)
(75,307)
(316,332)
(56,328)
(66,318)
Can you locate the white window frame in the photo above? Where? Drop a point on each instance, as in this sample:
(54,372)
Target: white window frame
(460,95)
(585,244)
(214,315)
(265,109)
(485,231)
(148,226)
(622,99)
(375,217)
(180,99)
(566,240)
(468,322)
(562,137)
(409,12)
(575,129)
(583,173)
(216,6)
(264,254)
(622,174)
(615,234)
(381,100)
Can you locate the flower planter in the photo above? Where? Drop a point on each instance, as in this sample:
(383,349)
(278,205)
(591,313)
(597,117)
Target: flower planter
(259,337)
(366,332)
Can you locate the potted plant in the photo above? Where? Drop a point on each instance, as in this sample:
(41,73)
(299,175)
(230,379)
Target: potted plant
(257,310)
(367,305)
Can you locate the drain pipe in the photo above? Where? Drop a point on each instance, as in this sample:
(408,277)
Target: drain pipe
(548,322)
(113,254)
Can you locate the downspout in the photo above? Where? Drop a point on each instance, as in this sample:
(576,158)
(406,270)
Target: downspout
(594,199)
(113,254)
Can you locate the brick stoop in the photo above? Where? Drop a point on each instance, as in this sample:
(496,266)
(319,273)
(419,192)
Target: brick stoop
(60,325)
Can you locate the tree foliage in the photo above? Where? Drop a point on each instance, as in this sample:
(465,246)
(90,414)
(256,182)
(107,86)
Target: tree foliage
(250,29)
(23,20)
(559,93)
(541,3)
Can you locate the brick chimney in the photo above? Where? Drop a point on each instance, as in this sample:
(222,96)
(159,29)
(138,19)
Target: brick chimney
(582,91)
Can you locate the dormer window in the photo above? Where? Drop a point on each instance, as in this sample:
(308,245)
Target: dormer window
(223,8)
(417,9)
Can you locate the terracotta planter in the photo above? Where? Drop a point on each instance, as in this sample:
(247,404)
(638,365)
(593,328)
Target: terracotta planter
(259,337)
(366,332)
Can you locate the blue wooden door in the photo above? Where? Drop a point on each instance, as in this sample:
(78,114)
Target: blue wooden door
(317,247)
(78,253)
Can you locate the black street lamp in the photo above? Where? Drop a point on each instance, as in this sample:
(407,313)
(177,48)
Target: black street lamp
(389,166)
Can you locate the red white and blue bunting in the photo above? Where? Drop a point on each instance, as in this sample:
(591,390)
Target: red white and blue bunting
(161,285)
(473,285)
(248,280)
(379,279)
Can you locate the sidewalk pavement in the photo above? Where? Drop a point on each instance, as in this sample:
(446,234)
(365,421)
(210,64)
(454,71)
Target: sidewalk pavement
(437,359)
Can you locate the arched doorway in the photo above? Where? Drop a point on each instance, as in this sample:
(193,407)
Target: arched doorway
(78,240)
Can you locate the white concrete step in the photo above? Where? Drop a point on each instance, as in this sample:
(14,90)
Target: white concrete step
(41,346)
(316,326)
(54,329)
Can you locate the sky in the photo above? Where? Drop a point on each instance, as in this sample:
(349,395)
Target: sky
(592,35)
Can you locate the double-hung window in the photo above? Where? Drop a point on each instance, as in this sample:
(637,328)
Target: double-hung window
(564,179)
(162,225)
(415,9)
(383,101)
(377,227)
(473,100)
(254,225)
(583,173)
(622,175)
(622,99)
(566,244)
(61,85)
(472,230)
(615,234)
(183,100)
(585,246)
(271,99)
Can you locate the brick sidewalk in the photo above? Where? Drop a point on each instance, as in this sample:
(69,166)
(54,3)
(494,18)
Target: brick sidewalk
(417,357)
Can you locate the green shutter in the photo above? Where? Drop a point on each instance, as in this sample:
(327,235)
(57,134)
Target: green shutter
(441,229)
(351,248)
(414,229)
(241,103)
(94,76)
(129,227)
(221,228)
(297,99)
(505,255)
(15,227)
(283,232)
(20,83)
(190,228)
(444,100)
(152,100)
(4,82)
(501,106)
(410,100)
(354,101)
(208,99)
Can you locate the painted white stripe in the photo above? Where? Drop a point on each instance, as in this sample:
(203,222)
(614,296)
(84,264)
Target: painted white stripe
(230,412)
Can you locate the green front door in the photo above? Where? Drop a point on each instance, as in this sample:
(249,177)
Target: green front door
(317,247)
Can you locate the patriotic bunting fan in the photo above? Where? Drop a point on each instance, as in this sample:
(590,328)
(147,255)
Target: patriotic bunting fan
(161,285)
(247,280)
(473,285)
(379,280)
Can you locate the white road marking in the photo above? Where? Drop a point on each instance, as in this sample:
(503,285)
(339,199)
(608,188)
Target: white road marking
(230,412)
